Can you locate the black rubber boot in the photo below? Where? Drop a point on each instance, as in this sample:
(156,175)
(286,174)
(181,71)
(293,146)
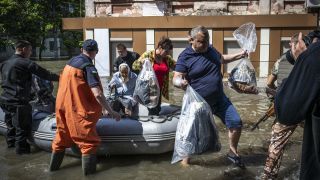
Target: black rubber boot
(22,148)
(56,160)
(89,163)
(75,150)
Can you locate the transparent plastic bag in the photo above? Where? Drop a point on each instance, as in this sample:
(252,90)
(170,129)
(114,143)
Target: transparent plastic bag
(246,37)
(196,131)
(243,77)
(147,90)
(244,73)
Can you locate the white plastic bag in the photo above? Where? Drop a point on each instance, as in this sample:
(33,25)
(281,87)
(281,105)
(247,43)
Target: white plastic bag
(196,131)
(147,90)
(243,77)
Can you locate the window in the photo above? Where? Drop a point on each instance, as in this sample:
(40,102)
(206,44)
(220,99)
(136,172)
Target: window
(178,47)
(284,46)
(230,47)
(3,49)
(184,8)
(114,53)
(120,8)
(51,45)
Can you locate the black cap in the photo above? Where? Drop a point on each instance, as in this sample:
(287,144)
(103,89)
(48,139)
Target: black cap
(289,57)
(314,34)
(90,45)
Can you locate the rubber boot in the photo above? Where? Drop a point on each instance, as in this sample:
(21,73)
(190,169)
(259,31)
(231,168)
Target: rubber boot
(22,148)
(89,163)
(75,150)
(56,160)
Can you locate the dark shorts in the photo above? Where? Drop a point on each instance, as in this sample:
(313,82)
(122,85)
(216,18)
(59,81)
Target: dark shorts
(225,110)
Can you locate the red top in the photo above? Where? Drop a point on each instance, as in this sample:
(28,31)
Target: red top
(161,69)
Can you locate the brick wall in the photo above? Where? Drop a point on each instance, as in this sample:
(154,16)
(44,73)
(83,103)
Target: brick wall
(101,8)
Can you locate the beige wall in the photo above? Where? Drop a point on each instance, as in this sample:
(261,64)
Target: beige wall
(177,27)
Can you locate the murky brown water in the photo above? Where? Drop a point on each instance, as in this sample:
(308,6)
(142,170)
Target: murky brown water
(252,146)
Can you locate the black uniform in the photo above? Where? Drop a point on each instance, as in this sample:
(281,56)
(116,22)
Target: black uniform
(298,98)
(128,59)
(16,74)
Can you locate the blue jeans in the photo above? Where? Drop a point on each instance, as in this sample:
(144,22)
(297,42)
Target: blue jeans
(224,109)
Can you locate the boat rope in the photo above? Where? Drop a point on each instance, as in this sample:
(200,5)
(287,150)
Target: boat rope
(161,118)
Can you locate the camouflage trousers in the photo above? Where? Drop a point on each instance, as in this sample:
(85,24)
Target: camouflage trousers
(279,138)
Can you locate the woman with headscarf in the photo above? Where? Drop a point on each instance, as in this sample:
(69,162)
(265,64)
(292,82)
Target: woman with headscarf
(124,82)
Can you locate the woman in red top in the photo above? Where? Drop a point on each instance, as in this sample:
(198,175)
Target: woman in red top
(161,62)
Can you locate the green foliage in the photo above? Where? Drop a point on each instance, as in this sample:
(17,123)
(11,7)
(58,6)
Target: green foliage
(6,42)
(71,40)
(34,20)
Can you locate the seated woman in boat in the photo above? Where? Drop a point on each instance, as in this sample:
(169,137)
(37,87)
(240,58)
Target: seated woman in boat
(123,84)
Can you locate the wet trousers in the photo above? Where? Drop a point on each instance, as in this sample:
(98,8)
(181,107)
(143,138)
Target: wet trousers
(279,138)
(74,128)
(18,119)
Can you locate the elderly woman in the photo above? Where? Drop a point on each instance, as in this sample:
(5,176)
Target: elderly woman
(124,82)
(161,62)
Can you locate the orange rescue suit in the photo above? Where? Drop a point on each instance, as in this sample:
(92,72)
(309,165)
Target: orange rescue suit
(77,113)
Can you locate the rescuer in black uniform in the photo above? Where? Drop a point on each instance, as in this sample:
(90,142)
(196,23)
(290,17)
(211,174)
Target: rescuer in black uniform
(16,74)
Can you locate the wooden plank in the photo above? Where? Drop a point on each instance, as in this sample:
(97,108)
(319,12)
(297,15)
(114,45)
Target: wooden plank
(275,45)
(158,33)
(116,33)
(139,41)
(169,22)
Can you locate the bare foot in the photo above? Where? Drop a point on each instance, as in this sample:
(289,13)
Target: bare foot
(185,162)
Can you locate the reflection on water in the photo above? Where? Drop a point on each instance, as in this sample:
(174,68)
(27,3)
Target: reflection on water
(252,146)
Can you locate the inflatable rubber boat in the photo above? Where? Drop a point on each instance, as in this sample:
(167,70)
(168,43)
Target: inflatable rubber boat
(144,135)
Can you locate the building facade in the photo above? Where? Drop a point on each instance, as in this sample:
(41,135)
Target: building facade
(140,24)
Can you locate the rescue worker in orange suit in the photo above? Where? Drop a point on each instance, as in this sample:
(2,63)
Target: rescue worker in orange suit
(79,105)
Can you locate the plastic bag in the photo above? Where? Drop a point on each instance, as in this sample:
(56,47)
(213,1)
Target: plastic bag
(147,90)
(243,77)
(196,131)
(246,37)
(244,73)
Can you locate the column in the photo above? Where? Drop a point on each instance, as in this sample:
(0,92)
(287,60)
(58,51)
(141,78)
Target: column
(264,51)
(89,34)
(210,36)
(150,39)
(102,60)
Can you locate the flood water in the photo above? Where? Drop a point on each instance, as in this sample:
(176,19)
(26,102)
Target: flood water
(252,147)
